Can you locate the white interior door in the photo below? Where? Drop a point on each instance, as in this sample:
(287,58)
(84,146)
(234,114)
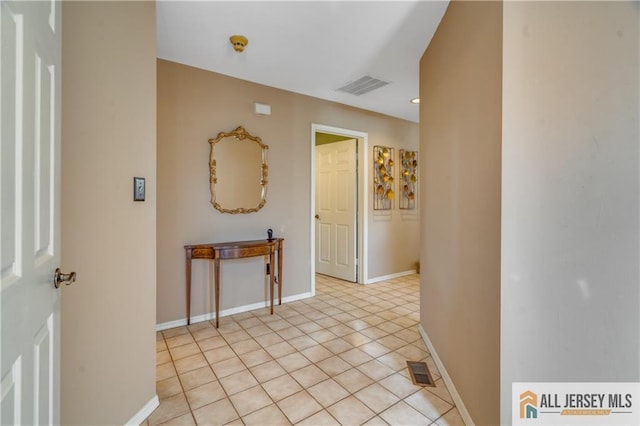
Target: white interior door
(30,211)
(336,209)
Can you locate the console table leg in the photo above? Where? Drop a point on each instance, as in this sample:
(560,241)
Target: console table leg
(188,281)
(216,267)
(280,273)
(271,278)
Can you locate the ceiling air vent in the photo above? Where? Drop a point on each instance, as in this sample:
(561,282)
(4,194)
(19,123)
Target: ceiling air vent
(363,85)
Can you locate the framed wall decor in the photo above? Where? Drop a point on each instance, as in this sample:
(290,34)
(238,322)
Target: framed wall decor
(383,178)
(238,172)
(408,179)
(138,189)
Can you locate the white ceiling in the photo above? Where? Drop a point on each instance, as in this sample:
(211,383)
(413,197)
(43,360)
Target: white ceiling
(306,47)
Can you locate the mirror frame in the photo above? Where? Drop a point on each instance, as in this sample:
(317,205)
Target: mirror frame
(240,134)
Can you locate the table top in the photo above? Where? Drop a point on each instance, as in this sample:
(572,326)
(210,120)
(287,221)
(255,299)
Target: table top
(235,244)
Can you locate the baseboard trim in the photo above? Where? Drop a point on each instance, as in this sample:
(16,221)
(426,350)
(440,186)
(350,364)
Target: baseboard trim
(145,412)
(390,277)
(227,312)
(462,409)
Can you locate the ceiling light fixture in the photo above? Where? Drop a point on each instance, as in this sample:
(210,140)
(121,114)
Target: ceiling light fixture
(415,101)
(239,42)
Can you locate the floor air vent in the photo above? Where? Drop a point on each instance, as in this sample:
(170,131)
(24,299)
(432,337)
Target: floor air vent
(363,85)
(420,373)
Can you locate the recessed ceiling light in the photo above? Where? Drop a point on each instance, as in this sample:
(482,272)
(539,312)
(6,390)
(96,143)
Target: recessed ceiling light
(415,100)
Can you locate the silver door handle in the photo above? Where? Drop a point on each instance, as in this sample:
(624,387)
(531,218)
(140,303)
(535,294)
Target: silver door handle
(59,278)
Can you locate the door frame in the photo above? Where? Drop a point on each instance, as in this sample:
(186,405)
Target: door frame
(362,199)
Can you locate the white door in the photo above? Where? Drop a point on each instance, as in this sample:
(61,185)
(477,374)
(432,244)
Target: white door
(336,209)
(30,211)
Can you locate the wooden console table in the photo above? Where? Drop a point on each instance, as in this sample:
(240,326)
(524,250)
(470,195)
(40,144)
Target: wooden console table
(235,250)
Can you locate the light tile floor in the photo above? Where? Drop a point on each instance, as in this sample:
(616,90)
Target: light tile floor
(336,358)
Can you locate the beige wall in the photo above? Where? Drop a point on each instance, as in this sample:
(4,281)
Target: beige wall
(571,197)
(108,137)
(460,141)
(193,106)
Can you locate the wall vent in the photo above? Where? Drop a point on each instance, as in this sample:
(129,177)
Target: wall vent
(363,85)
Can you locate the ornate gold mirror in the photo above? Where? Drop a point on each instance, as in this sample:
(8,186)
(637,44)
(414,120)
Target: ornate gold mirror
(238,172)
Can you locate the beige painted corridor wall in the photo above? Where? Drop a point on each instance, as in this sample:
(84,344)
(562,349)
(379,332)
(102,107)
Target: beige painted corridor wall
(193,106)
(460,141)
(108,136)
(571,194)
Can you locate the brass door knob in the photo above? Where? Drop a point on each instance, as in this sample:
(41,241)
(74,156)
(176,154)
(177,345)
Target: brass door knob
(59,278)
